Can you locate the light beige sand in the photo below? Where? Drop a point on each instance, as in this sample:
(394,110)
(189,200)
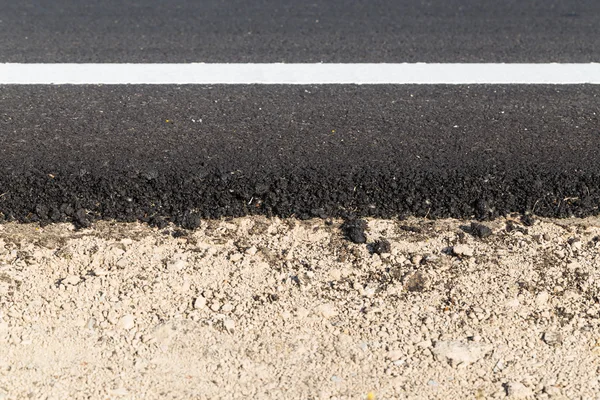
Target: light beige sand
(254,308)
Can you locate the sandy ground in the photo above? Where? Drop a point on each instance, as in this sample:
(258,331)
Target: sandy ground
(286,309)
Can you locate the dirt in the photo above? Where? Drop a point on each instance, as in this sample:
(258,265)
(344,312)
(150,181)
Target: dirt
(280,308)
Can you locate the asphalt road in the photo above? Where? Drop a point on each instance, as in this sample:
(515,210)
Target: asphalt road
(299,31)
(180,153)
(159,153)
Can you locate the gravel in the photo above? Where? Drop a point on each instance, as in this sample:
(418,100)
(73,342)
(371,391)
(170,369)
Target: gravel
(128,311)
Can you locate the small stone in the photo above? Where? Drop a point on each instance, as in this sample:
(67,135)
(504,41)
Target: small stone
(302,312)
(458,352)
(215,306)
(552,390)
(542,298)
(462,250)
(91,323)
(199,303)
(553,338)
(517,390)
(227,308)
(415,282)
(354,230)
(236,257)
(71,280)
(119,392)
(251,250)
(229,325)
(575,243)
(176,265)
(381,247)
(335,274)
(126,322)
(326,310)
(394,355)
(479,230)
(100,272)
(528,220)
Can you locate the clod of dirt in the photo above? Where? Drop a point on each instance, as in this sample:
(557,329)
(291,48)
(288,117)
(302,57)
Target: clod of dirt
(354,230)
(415,283)
(479,230)
(191,221)
(462,250)
(527,220)
(381,247)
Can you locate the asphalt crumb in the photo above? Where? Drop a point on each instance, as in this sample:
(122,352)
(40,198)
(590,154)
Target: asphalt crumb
(354,230)
(380,247)
(480,230)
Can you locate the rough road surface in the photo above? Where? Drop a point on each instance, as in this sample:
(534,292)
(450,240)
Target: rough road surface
(182,153)
(286,309)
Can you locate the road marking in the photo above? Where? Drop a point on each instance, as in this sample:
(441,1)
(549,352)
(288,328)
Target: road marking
(299,74)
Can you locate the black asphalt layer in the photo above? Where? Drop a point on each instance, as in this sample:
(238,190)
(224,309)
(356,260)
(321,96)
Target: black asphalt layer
(353,31)
(169,153)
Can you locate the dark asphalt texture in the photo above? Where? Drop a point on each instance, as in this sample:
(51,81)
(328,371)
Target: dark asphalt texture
(79,153)
(298,31)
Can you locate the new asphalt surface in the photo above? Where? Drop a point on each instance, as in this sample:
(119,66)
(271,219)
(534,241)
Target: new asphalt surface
(181,153)
(300,31)
(169,153)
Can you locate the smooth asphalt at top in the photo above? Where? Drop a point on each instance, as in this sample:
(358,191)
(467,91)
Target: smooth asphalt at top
(349,31)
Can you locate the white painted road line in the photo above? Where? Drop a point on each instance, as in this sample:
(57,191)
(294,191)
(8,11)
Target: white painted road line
(299,74)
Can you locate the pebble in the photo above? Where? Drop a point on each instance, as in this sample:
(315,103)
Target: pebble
(71,280)
(326,310)
(542,298)
(100,272)
(251,251)
(575,244)
(462,250)
(552,390)
(517,390)
(176,266)
(553,338)
(394,355)
(199,303)
(215,306)
(229,325)
(119,392)
(354,230)
(126,322)
(236,257)
(227,308)
(381,247)
(91,323)
(458,352)
(479,230)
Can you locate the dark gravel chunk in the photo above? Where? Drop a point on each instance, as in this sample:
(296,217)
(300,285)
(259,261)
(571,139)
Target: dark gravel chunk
(381,247)
(527,220)
(354,230)
(479,230)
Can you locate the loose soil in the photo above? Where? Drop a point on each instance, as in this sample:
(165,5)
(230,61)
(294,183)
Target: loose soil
(287,309)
